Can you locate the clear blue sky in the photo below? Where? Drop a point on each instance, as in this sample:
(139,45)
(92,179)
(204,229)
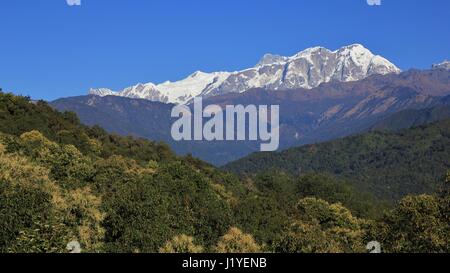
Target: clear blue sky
(50,50)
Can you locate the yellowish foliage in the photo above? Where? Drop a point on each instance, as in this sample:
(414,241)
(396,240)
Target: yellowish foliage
(339,229)
(36,137)
(181,244)
(2,149)
(235,241)
(307,238)
(19,171)
(153,166)
(43,149)
(95,145)
(88,206)
(77,208)
(222,193)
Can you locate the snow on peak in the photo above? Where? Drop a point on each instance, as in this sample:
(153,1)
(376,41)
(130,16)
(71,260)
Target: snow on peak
(308,52)
(185,90)
(268,59)
(353,47)
(178,92)
(101,92)
(198,73)
(444,65)
(306,69)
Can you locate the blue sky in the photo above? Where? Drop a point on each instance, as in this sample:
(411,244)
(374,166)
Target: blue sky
(50,50)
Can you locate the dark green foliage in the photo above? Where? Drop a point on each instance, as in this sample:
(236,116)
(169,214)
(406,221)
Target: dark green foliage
(325,187)
(20,209)
(137,219)
(418,224)
(273,196)
(176,200)
(389,165)
(261,216)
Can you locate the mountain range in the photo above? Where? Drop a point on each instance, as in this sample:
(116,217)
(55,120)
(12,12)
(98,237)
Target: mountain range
(329,111)
(306,69)
(322,94)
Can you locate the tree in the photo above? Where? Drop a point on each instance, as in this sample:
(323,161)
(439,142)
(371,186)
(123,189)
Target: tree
(42,238)
(305,238)
(418,224)
(321,227)
(235,241)
(181,244)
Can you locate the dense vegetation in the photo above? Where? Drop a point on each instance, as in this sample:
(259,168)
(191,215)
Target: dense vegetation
(62,181)
(388,164)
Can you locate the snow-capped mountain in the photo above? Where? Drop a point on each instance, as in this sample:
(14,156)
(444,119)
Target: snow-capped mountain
(178,92)
(306,69)
(444,65)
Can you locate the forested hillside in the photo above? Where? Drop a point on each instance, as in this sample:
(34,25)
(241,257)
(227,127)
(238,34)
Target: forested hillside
(389,165)
(61,181)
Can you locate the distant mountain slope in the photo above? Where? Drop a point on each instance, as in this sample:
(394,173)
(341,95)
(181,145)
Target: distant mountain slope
(147,119)
(306,69)
(390,165)
(123,116)
(330,111)
(413,118)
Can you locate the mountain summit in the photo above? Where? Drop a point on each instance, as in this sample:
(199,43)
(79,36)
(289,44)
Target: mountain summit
(306,69)
(444,65)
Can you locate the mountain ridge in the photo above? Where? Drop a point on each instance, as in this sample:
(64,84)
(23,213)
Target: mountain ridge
(306,69)
(331,110)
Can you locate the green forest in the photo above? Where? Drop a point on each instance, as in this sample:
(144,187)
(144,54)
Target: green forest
(61,181)
(388,164)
